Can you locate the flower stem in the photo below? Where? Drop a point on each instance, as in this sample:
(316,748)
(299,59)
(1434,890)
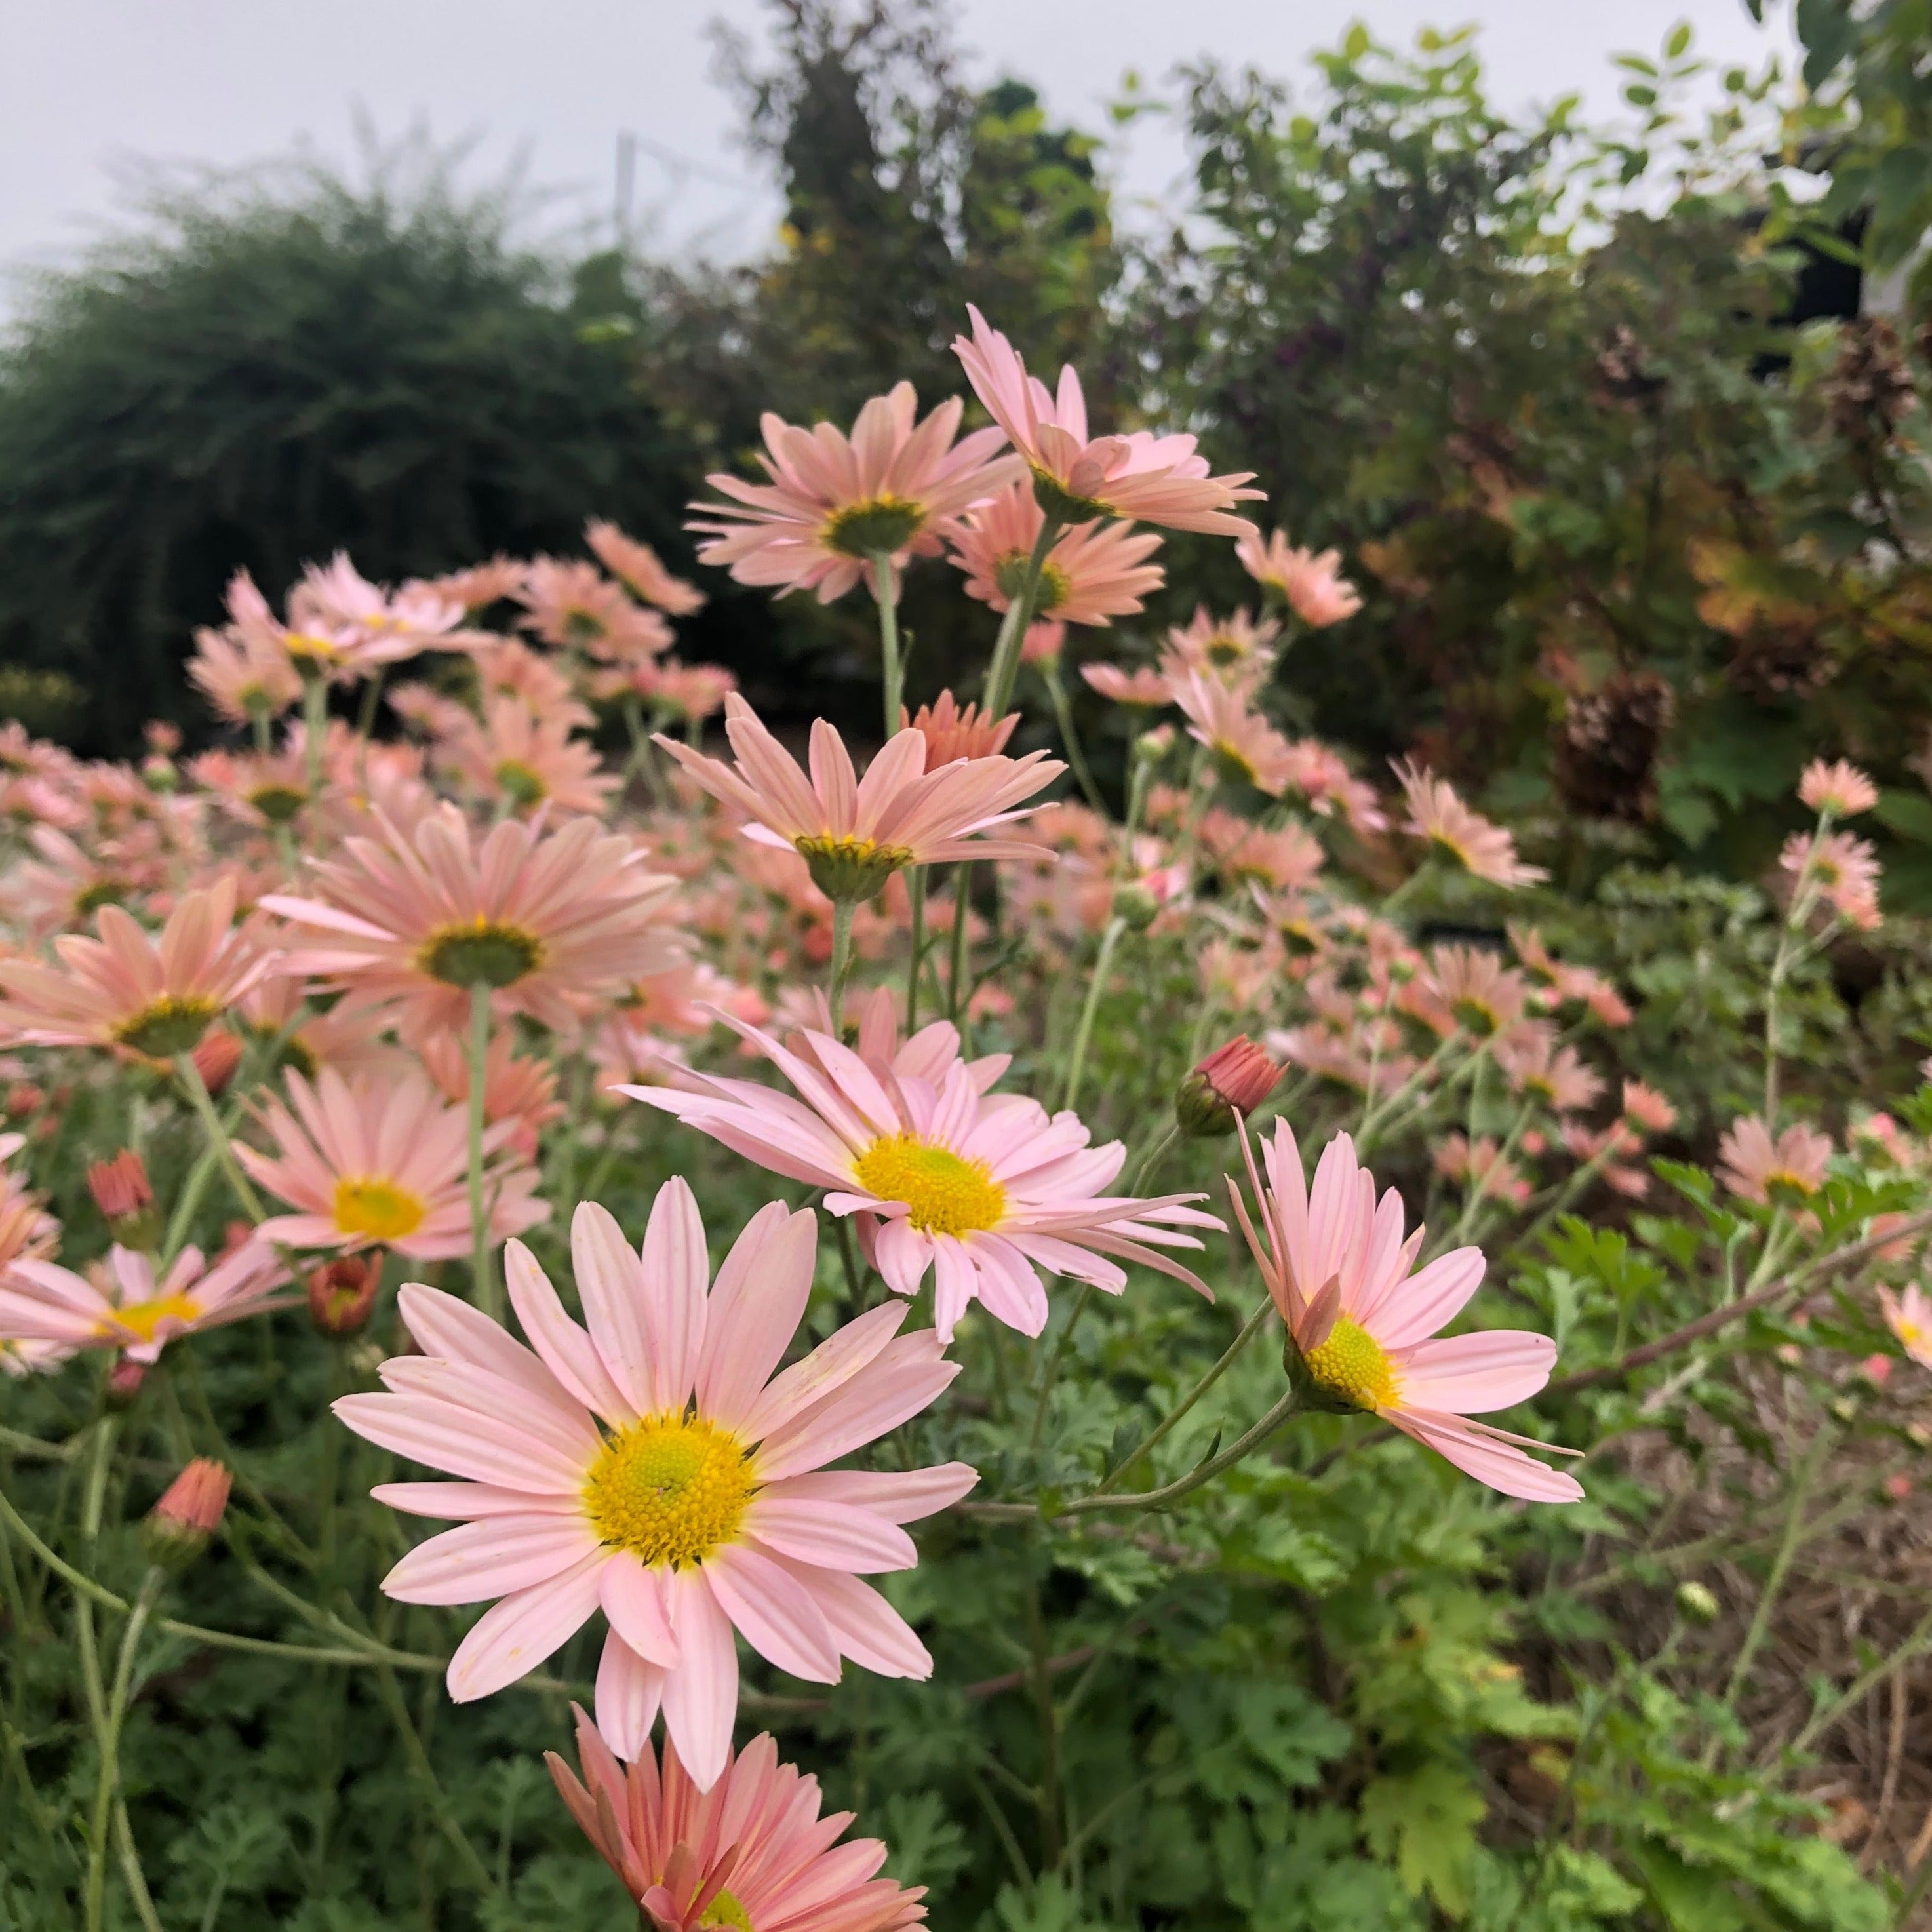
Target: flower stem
(1069,736)
(197,1090)
(315,728)
(885,590)
(1005,666)
(962,907)
(841,960)
(1154,1156)
(1103,961)
(108,1780)
(1171,1492)
(916,892)
(483,1287)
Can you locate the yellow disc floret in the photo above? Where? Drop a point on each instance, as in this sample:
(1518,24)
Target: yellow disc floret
(144,1318)
(670,1489)
(1354,1364)
(946,1193)
(367,1205)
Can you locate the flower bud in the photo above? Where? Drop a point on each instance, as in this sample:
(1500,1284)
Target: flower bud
(122,1191)
(123,1383)
(1234,1079)
(216,1059)
(1136,906)
(178,1528)
(1151,747)
(1695,1603)
(342,1294)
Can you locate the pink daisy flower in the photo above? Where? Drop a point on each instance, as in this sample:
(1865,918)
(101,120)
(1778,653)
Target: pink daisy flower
(335,598)
(637,567)
(982,1189)
(1244,744)
(1362,1316)
(529,761)
(1840,788)
(243,674)
(1141,477)
(1094,573)
(1910,1317)
(1841,870)
(1237,650)
(1786,1171)
(575,603)
(1436,813)
(661,1468)
(1145,689)
(479,586)
(1312,587)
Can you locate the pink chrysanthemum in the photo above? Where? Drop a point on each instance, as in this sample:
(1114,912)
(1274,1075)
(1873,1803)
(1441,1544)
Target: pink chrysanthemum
(519,1092)
(1238,650)
(835,502)
(1908,1316)
(1312,587)
(1841,870)
(1362,1316)
(1244,744)
(1786,1171)
(983,1189)
(574,603)
(1144,688)
(243,674)
(479,586)
(335,598)
(529,761)
(1436,813)
(953,731)
(636,566)
(1141,477)
(660,1467)
(1840,788)
(1094,573)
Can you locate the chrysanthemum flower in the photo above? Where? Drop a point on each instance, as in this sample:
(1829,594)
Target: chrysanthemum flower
(384,1163)
(508,667)
(690,691)
(1142,477)
(1361,1315)
(636,566)
(1312,587)
(336,597)
(983,1189)
(123,1307)
(125,990)
(545,919)
(1840,788)
(1141,687)
(1646,1109)
(1237,650)
(953,731)
(1094,573)
(1786,1171)
(854,834)
(479,586)
(517,1091)
(834,503)
(1478,990)
(1908,1316)
(751,1852)
(1244,744)
(575,603)
(1843,870)
(530,759)
(258,789)
(1534,1065)
(1286,859)
(659,1466)
(1482,1164)
(243,675)
(1436,813)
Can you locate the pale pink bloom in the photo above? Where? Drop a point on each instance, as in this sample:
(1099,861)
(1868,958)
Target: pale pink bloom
(547,919)
(1313,586)
(479,586)
(28,1232)
(1755,1167)
(1481,1164)
(1841,789)
(1910,1318)
(120,1305)
(1588,1145)
(574,603)
(348,1038)
(636,565)
(1044,642)
(426,710)
(1435,813)
(127,991)
(1646,1109)
(260,789)
(953,731)
(689,691)
(834,503)
(1145,688)
(1288,859)
(1317,772)
(1141,477)
(982,1189)
(517,1091)
(680,1000)
(508,668)
(244,674)
(1478,990)
(853,833)
(1362,1316)
(1534,1065)
(336,597)
(662,1468)
(1093,573)
(1843,870)
(1244,744)
(529,762)
(1238,650)
(751,1852)
(1328,1056)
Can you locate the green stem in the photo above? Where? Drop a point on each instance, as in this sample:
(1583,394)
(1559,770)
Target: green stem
(412,1747)
(197,1090)
(956,987)
(483,1287)
(841,960)
(1774,1584)
(885,590)
(1052,1370)
(1005,666)
(315,726)
(107,1782)
(1154,1156)
(1096,986)
(1069,736)
(1242,1446)
(916,892)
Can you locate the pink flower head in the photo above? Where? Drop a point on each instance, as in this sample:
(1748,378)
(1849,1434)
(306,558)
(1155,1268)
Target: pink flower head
(636,566)
(1312,587)
(516,1089)
(527,760)
(1536,1067)
(952,731)
(1044,642)
(834,504)
(984,1189)
(178,1528)
(1841,870)
(1238,650)
(1646,1109)
(1361,1315)
(384,1163)
(1141,687)
(1435,813)
(1908,1316)
(1478,990)
(661,1466)
(752,1851)
(1840,789)
(1244,744)
(1093,573)
(1141,477)
(244,674)
(1789,1170)
(1482,1166)
(854,834)
(121,1306)
(574,603)
(336,599)
(690,691)
(479,586)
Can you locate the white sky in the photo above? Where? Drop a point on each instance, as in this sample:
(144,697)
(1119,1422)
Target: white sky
(89,87)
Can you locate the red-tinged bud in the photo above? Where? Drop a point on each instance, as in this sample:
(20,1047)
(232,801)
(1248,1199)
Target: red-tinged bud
(123,1382)
(236,1234)
(178,1528)
(216,1059)
(120,1186)
(23,1098)
(1233,1079)
(1877,1368)
(342,1294)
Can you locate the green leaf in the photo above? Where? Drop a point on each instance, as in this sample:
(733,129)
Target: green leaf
(1675,47)
(1426,1820)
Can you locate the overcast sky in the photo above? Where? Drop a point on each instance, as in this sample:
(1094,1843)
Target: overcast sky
(89,87)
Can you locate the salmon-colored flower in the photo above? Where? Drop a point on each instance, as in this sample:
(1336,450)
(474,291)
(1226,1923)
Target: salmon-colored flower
(517,1090)
(1841,870)
(1092,574)
(636,566)
(479,586)
(1312,587)
(1481,1164)
(529,761)
(953,731)
(1840,788)
(336,599)
(1286,859)
(1234,1079)
(1237,650)
(1244,744)
(1361,1316)
(1141,477)
(243,674)
(1786,1171)
(1479,991)
(689,691)
(661,1467)
(1536,1067)
(1646,1109)
(1141,687)
(179,1526)
(574,603)
(752,1852)
(1436,813)
(1908,1316)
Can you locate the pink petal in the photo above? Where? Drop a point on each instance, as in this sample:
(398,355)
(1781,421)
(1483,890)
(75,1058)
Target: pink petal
(829,1366)
(1469,1374)
(497,1556)
(676,1277)
(756,1303)
(701,1696)
(510,1641)
(610,1283)
(868,1629)
(1428,1299)
(628,1693)
(778,1618)
(571,1355)
(1478,1451)
(907,1378)
(835,1535)
(900,1496)
(634,1600)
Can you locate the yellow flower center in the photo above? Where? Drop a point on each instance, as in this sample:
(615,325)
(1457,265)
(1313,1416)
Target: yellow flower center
(724,1910)
(849,868)
(671,1490)
(1354,1364)
(1009,573)
(301,644)
(172,1024)
(145,1317)
(879,526)
(946,1193)
(366,1204)
(521,782)
(480,951)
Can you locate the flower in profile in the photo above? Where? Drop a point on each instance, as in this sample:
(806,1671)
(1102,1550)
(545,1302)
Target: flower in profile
(383,1163)
(520,1091)
(1234,1079)
(1361,1316)
(952,731)
(243,674)
(1244,744)
(636,566)
(574,603)
(1482,1166)
(1479,991)
(1093,573)
(1785,1172)
(120,1305)
(335,599)
(1646,1109)
(1238,650)
(663,1467)
(1312,587)
(1841,870)
(479,586)
(547,919)
(1248,853)
(854,833)
(342,1294)
(751,1852)
(1141,477)
(834,503)
(983,1189)
(526,760)
(1536,1067)
(691,692)
(1145,689)
(1839,790)
(127,992)
(179,1528)
(1436,813)
(1908,1316)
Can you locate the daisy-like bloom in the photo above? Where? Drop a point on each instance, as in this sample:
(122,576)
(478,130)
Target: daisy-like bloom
(336,597)
(1317,772)
(243,675)
(260,789)
(1238,650)
(1786,1171)
(1245,745)
(636,566)
(834,503)
(128,991)
(547,919)
(1436,813)
(692,692)
(1646,1109)
(751,1852)
(984,1189)
(1839,789)
(854,834)
(1141,477)
(479,586)
(528,759)
(1908,1316)
(1312,587)
(508,668)
(123,1307)
(1146,690)
(575,603)
(309,644)
(1287,860)
(1534,1064)
(660,1467)
(1093,574)
(1045,644)
(1481,1164)
(1843,870)
(1588,1146)
(1361,1316)
(518,1091)
(385,1163)
(1478,990)
(952,731)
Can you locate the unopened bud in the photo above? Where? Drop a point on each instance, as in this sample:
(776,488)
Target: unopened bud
(178,1528)
(1136,907)
(123,1383)
(1233,1079)
(216,1059)
(342,1294)
(1696,1604)
(122,1191)
(1151,747)
(160,774)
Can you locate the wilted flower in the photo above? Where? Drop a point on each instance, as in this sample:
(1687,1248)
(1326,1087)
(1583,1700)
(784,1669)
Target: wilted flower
(1785,1171)
(1312,587)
